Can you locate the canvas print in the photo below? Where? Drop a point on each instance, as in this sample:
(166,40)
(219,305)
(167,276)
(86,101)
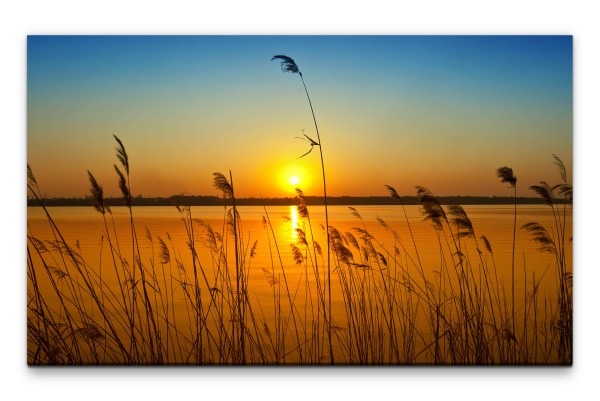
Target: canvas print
(299,200)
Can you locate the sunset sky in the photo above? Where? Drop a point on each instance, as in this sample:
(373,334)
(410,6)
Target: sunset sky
(440,112)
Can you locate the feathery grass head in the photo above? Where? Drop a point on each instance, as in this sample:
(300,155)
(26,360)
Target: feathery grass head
(297,255)
(287,64)
(487,244)
(385,225)
(302,209)
(221,183)
(91,332)
(363,234)
(301,236)
(122,154)
(39,245)
(211,237)
(60,275)
(271,279)
(30,176)
(318,248)
(382,222)
(233,218)
(506,175)
(461,220)
(562,170)
(218,238)
(566,190)
(351,239)
(253,250)
(392,192)
(545,192)
(382,259)
(541,236)
(123,186)
(97,194)
(165,255)
(354,212)
(431,208)
(343,254)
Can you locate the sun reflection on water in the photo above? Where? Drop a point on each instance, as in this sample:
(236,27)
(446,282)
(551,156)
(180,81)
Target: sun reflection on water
(294,221)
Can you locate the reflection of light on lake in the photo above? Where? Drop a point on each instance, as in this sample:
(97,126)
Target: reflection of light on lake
(294,221)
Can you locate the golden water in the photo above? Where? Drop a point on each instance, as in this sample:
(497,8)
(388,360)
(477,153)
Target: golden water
(83,229)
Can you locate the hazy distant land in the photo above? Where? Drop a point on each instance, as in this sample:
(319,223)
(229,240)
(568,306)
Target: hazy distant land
(194,200)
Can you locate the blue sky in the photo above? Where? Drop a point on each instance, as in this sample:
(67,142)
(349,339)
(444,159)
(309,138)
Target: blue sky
(438,111)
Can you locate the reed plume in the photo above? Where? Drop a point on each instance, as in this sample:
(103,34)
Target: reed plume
(297,255)
(461,220)
(431,208)
(221,183)
(165,255)
(545,192)
(541,236)
(487,244)
(122,154)
(123,186)
(97,194)
(562,170)
(506,176)
(301,201)
(287,64)
(30,177)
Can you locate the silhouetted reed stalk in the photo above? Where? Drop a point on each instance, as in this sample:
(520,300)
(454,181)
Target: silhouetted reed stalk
(506,176)
(87,285)
(289,65)
(553,242)
(221,183)
(125,191)
(136,259)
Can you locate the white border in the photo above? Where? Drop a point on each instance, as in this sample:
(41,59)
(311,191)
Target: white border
(18,19)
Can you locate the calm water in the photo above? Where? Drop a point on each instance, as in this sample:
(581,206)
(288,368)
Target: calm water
(83,229)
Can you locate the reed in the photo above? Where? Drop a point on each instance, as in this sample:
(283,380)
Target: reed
(289,65)
(506,176)
(558,197)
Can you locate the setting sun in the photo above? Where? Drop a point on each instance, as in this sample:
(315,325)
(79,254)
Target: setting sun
(296,175)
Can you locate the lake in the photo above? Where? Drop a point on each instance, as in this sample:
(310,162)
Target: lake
(375,268)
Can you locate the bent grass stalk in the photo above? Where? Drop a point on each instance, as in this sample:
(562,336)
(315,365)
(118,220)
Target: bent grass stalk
(289,65)
(506,176)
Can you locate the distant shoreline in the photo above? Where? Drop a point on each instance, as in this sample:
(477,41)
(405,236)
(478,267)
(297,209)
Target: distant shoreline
(180,200)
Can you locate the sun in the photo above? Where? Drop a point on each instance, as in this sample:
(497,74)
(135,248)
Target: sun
(291,177)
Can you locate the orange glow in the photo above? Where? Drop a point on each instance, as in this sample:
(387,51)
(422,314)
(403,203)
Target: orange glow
(294,176)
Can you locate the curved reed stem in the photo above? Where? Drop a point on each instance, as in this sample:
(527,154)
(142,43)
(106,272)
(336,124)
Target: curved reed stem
(289,65)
